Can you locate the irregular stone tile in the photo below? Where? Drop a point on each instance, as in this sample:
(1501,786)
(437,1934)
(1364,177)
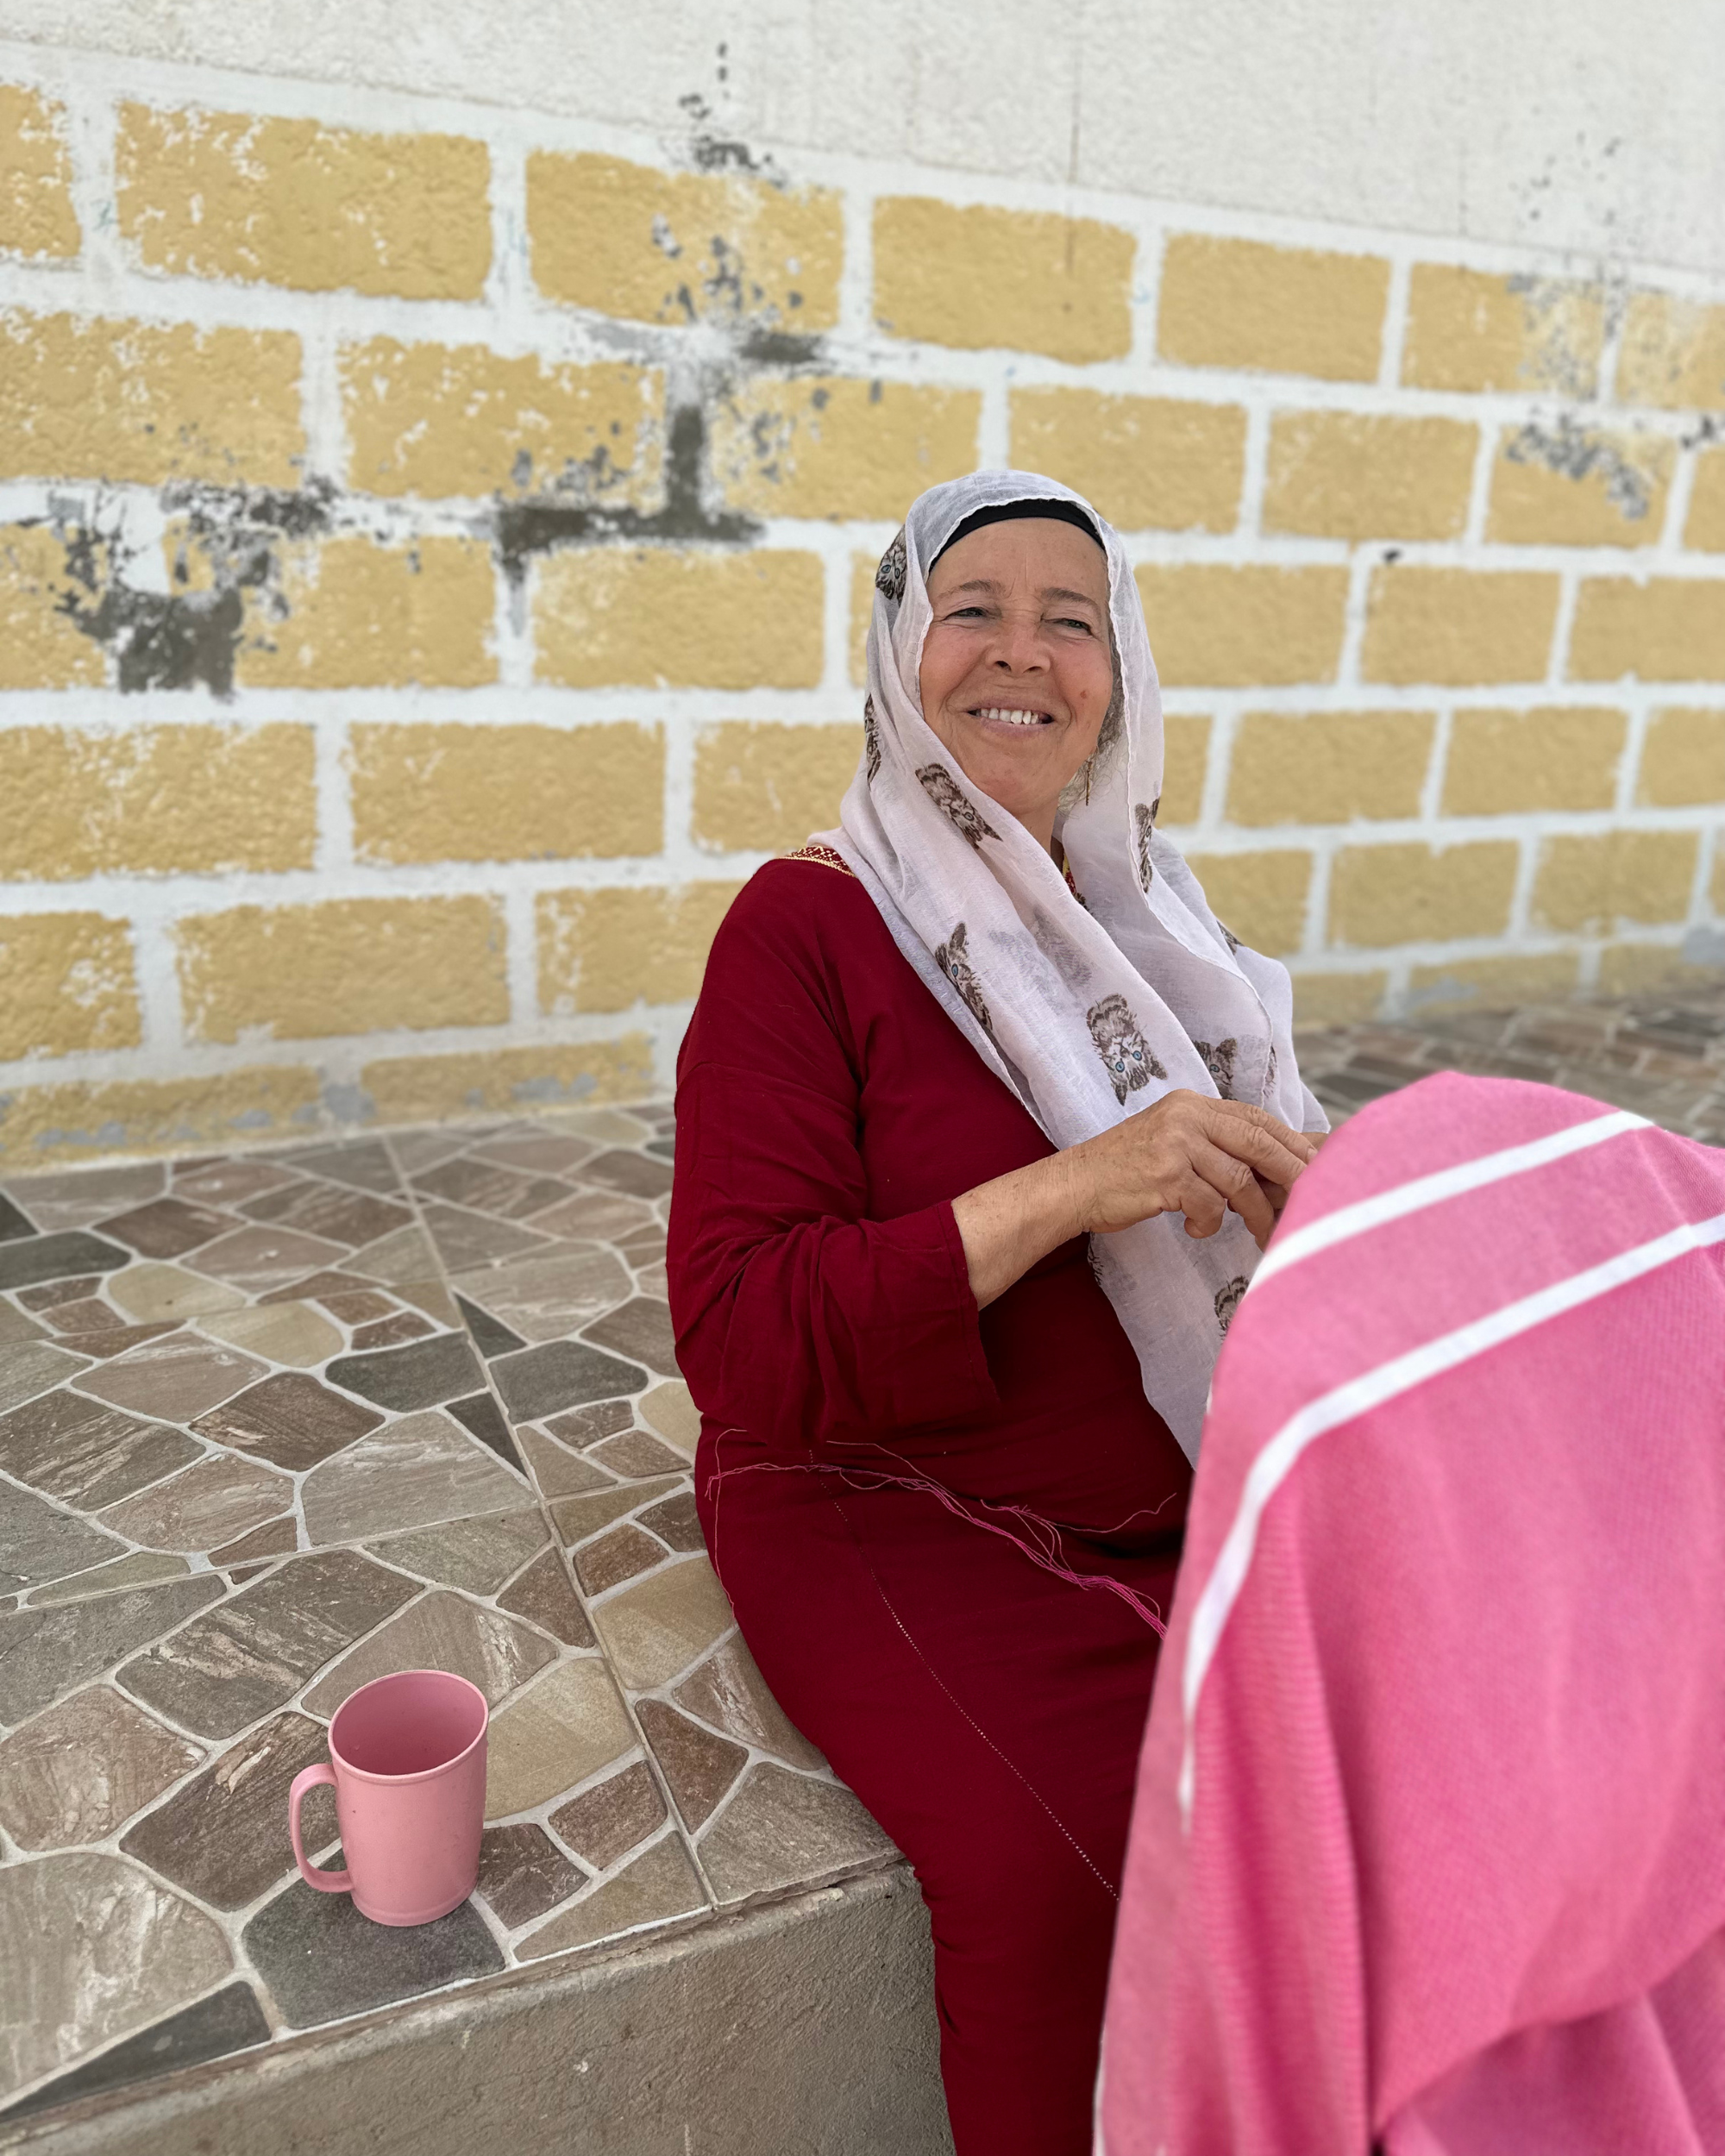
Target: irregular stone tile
(669,1410)
(169,1292)
(630,1173)
(641,1328)
(289,1333)
(392,1332)
(654,1281)
(46,1652)
(137,1570)
(406,1475)
(600,1217)
(352,1217)
(323,1960)
(603,1822)
(75,1196)
(79,1771)
(699,1766)
(14,1326)
(257,1259)
(729,1691)
(523,1873)
(490,1335)
(443,1631)
(84,1312)
(482,1417)
(676,1521)
(616,1557)
(240,1573)
(612,1126)
(203,1505)
(275,1538)
(112,1340)
(288,1419)
(176,1376)
(583,1427)
(358,1306)
(50,1294)
(659,1885)
(419,1149)
(166,1227)
(223,1837)
(422,1375)
(661,1148)
(32,1367)
(637,1454)
(468,1239)
(14,1225)
(548,1293)
(487,1188)
(579,1517)
(544,1595)
(325,1287)
(39,1542)
(642,1249)
(397,1260)
(653,1629)
(781,1829)
(86,1454)
(96,1949)
(226,1182)
(544,1381)
(432,1297)
(567,1727)
(364,1162)
(557,1472)
(228,2021)
(540,1152)
(477,1555)
(237,1662)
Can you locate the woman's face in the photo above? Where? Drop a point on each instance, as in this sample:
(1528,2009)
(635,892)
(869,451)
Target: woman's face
(1016,673)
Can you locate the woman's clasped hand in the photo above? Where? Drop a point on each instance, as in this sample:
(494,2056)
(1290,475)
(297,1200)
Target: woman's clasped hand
(1190,1154)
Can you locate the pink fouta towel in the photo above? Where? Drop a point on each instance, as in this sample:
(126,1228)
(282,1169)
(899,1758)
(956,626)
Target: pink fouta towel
(1428,1851)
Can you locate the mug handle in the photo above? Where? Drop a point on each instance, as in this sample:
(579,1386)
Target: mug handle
(325,1881)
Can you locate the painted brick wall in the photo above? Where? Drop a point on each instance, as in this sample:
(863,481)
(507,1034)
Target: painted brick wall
(435,539)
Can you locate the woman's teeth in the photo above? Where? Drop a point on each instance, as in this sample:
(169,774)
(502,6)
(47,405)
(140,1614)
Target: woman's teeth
(1011,717)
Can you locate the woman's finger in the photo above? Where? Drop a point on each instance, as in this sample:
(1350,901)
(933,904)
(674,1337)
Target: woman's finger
(1268,1153)
(1239,1188)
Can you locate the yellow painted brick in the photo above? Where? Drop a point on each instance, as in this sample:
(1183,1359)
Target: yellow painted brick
(68,984)
(1329,767)
(194,800)
(41,646)
(1459,626)
(436,1088)
(820,446)
(983,277)
(1469,329)
(1667,629)
(84,1121)
(1147,462)
(454,793)
(1682,760)
(1260,898)
(1637,968)
(1344,475)
(351,613)
(1492,984)
(1583,884)
(1381,895)
(1338,999)
(347,966)
(291,201)
(1578,486)
(1221,627)
(439,419)
(1705,529)
(684,247)
(863,569)
(1673,354)
(613,617)
(604,951)
(36,216)
(1555,756)
(763,788)
(1185,762)
(122,400)
(1285,309)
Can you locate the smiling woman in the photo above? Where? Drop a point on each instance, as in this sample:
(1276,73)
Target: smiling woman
(982,1118)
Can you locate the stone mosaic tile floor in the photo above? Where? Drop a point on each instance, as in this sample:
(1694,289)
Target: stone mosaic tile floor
(275,1423)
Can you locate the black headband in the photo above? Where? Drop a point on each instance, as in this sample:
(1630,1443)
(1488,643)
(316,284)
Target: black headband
(1010,513)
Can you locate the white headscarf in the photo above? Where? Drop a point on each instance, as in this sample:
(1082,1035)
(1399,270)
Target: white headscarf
(1088,1012)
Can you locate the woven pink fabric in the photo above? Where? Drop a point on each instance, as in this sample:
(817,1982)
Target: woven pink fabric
(1429,1843)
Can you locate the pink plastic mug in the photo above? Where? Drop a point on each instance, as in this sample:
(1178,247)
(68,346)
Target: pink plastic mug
(408,1763)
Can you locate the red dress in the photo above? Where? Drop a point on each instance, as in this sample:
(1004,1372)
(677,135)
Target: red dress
(986,1709)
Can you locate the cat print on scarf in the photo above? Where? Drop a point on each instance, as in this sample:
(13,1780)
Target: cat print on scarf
(1125,1052)
(889,578)
(944,790)
(1228,1300)
(871,740)
(1219,1061)
(954,960)
(1143,821)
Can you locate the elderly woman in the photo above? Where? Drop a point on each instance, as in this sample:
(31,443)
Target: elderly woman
(982,1118)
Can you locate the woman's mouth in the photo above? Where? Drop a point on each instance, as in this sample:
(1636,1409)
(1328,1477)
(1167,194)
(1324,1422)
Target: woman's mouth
(1010,715)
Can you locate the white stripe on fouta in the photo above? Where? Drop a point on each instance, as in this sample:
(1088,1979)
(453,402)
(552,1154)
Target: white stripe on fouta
(1402,1375)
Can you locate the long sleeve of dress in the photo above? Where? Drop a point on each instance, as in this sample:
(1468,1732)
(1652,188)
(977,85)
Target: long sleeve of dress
(800,1319)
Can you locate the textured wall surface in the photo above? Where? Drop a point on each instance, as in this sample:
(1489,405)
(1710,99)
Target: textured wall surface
(443,461)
